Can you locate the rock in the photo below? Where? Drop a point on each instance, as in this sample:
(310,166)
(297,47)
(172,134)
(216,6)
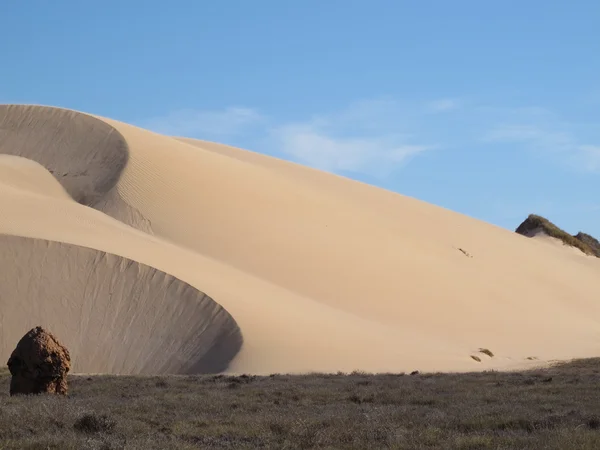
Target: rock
(39,364)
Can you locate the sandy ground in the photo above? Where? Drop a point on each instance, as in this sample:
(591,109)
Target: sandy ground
(320,273)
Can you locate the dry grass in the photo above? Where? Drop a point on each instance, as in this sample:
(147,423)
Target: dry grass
(555,408)
(538,222)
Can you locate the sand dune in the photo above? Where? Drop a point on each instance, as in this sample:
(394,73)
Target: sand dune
(319,272)
(278,329)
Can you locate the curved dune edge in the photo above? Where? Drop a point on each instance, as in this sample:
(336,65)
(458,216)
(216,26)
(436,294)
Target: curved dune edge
(113,314)
(86,155)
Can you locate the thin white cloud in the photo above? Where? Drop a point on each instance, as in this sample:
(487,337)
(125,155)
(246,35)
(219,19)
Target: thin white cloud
(376,155)
(442,105)
(377,136)
(205,124)
(363,138)
(591,157)
(512,133)
(535,136)
(544,133)
(593,96)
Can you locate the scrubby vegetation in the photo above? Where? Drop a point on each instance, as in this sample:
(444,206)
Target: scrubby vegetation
(554,408)
(590,241)
(584,242)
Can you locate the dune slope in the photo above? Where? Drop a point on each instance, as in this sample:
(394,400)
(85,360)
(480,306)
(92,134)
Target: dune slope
(319,272)
(276,320)
(113,314)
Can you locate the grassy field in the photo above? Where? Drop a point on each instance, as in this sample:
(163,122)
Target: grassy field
(557,408)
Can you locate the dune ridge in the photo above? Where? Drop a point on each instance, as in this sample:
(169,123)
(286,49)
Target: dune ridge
(321,273)
(85,154)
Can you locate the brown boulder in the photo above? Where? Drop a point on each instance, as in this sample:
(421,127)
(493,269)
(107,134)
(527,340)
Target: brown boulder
(39,364)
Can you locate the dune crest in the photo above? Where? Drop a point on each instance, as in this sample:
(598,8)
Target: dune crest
(85,154)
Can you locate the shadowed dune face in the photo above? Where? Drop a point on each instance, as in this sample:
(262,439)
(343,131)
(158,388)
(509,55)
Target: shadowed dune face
(85,154)
(113,314)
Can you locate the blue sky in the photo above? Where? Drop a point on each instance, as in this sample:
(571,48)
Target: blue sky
(491,109)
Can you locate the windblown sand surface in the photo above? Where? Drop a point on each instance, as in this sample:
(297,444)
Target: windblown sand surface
(314,272)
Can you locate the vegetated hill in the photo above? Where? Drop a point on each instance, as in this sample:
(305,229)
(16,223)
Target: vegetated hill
(591,241)
(584,242)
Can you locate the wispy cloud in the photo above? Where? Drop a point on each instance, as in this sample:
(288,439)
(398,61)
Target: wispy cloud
(591,156)
(362,138)
(376,155)
(593,96)
(442,105)
(376,137)
(206,124)
(533,135)
(539,130)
